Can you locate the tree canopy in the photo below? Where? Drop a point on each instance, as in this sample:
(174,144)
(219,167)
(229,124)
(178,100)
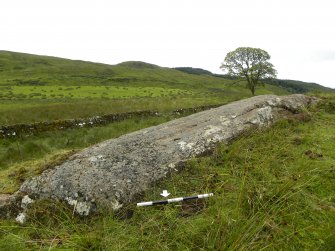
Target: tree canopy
(250,64)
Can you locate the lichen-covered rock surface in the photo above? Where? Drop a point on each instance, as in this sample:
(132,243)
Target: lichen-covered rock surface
(113,172)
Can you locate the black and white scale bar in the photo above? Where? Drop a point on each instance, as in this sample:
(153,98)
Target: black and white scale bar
(160,202)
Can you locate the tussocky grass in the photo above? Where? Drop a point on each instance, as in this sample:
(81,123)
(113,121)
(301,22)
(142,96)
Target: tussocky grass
(273,190)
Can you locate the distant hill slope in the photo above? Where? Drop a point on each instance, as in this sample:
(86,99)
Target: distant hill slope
(20,69)
(292,86)
(295,86)
(196,71)
(27,69)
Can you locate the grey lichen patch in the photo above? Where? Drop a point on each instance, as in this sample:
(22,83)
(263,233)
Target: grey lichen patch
(21,218)
(115,205)
(216,138)
(83,208)
(172,167)
(275,102)
(225,121)
(187,147)
(265,115)
(26,200)
(211,129)
(95,159)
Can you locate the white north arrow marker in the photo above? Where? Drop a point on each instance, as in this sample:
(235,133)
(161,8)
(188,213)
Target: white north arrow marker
(165,193)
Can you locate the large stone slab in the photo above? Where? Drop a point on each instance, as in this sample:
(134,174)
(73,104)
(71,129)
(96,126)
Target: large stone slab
(111,173)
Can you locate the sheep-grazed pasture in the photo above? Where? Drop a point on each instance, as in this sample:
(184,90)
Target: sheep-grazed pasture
(84,92)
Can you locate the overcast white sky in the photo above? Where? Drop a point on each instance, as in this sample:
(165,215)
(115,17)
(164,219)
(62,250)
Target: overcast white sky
(298,34)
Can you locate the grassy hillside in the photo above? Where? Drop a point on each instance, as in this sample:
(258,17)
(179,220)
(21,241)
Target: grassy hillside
(295,86)
(273,190)
(37,88)
(292,86)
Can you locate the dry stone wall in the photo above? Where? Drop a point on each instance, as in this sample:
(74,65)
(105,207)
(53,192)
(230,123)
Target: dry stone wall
(13,131)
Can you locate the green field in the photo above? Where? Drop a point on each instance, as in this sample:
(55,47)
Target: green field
(85,92)
(38,88)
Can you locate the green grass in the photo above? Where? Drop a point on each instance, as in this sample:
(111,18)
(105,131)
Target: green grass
(273,190)
(80,92)
(38,88)
(37,110)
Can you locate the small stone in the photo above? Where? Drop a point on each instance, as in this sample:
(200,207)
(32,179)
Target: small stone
(83,208)
(116,205)
(70,201)
(21,218)
(26,201)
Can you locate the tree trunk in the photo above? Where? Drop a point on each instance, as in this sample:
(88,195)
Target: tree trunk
(253,90)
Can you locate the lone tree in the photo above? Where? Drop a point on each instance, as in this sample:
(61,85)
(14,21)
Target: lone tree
(250,64)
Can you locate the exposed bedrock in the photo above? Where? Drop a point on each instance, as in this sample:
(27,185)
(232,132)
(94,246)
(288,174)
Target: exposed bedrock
(111,173)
